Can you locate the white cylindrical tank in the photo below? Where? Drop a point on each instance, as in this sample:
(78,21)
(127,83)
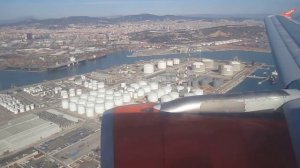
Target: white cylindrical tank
(101,85)
(90,104)
(101,90)
(109,104)
(147,89)
(72,92)
(180,88)
(31,106)
(143,83)
(118,101)
(140,93)
(86,84)
(123,85)
(165,98)
(101,95)
(154,85)
(227,70)
(170,63)
(152,97)
(126,98)
(130,89)
(90,86)
(148,68)
(27,108)
(74,99)
(109,97)
(82,101)
(117,94)
(198,67)
(78,92)
(65,96)
(90,112)
(84,96)
(92,98)
(176,61)
(161,65)
(81,109)
(93,93)
(109,92)
(135,86)
(72,107)
(63,92)
(99,108)
(209,63)
(236,66)
(65,103)
(168,89)
(22,110)
(160,93)
(99,100)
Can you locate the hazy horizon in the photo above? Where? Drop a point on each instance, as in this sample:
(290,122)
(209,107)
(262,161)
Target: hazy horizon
(42,9)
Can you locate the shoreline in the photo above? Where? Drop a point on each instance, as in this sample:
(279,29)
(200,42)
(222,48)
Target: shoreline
(130,56)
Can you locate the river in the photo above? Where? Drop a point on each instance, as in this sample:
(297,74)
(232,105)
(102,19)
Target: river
(21,78)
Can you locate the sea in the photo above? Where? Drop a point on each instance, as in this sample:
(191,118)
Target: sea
(9,78)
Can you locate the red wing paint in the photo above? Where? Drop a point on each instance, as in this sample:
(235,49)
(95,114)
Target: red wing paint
(290,13)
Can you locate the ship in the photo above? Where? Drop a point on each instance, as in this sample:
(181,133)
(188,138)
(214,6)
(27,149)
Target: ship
(274,77)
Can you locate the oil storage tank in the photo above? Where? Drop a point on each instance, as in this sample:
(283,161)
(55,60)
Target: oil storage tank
(236,66)
(161,65)
(209,63)
(226,70)
(198,67)
(148,68)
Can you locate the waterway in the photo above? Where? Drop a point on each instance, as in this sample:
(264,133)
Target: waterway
(21,78)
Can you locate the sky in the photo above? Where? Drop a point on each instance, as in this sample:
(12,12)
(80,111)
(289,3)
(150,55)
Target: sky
(10,9)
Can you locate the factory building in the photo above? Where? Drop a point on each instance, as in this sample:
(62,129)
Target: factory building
(23,131)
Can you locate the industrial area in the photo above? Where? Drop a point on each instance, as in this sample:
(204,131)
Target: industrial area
(58,122)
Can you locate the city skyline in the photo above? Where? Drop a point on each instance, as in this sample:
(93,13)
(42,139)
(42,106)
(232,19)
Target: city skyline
(55,8)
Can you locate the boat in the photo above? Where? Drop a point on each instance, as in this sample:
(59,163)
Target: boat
(274,77)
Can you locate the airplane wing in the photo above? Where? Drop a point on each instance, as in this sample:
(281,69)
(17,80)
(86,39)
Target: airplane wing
(138,136)
(284,37)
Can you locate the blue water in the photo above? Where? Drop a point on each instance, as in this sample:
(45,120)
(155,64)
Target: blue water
(21,78)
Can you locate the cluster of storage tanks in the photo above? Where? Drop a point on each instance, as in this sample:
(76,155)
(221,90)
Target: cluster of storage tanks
(149,68)
(199,66)
(14,105)
(33,90)
(97,101)
(225,69)
(40,90)
(89,83)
